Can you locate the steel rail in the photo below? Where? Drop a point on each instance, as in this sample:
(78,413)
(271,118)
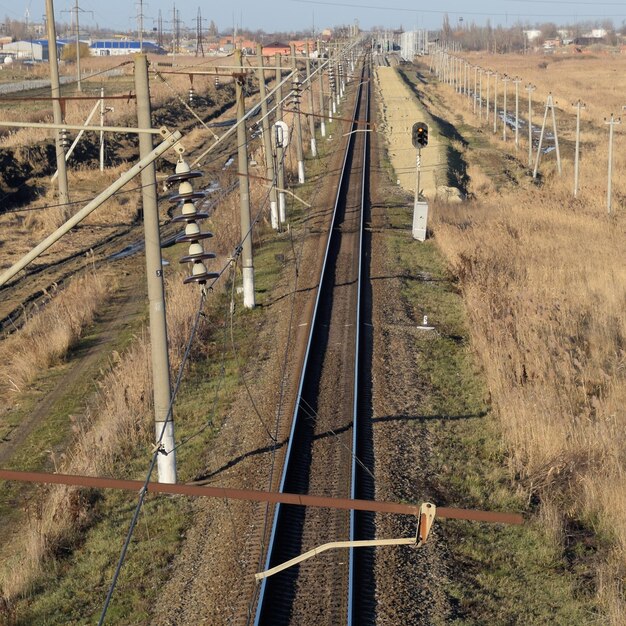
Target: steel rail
(364,92)
(294,422)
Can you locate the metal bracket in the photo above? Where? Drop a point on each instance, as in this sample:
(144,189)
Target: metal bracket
(424,524)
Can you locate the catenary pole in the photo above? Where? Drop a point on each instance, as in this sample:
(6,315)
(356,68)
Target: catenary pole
(57,114)
(244,191)
(311,105)
(267,140)
(321,92)
(163,419)
(298,122)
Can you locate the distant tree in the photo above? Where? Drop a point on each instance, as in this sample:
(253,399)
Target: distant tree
(69,51)
(446,30)
(213,29)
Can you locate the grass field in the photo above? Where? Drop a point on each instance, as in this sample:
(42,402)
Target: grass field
(544,283)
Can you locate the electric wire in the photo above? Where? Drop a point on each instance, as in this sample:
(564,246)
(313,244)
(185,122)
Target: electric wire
(242,378)
(155,454)
(185,104)
(448,11)
(256,591)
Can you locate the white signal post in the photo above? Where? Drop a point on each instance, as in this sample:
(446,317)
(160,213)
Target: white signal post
(419,137)
(281,141)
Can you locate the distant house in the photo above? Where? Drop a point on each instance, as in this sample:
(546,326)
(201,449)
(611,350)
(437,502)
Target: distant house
(276,47)
(531,35)
(549,44)
(116,47)
(302,44)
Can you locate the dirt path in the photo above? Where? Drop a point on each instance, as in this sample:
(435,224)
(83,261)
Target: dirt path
(123,307)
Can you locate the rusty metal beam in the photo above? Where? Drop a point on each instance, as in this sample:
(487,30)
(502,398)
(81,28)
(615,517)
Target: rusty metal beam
(258,496)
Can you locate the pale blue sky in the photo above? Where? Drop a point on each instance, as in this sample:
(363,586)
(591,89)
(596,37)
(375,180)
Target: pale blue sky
(287,15)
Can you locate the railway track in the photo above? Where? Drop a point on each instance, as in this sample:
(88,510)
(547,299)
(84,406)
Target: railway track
(326,443)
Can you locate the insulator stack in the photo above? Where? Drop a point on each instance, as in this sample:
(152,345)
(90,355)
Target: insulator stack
(65,139)
(190,216)
(296,94)
(217,81)
(192,94)
(331,79)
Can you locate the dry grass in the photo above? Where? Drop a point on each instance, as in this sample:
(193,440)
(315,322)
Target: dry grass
(545,286)
(46,337)
(116,425)
(594,79)
(120,420)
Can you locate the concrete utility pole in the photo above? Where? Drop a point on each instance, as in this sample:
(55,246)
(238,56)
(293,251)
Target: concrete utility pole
(321,90)
(57,114)
(298,125)
(244,190)
(517,82)
(505,80)
(530,88)
(612,122)
(495,102)
(488,74)
(480,95)
(280,141)
(76,9)
(311,106)
(475,86)
(579,105)
(267,140)
(279,88)
(163,419)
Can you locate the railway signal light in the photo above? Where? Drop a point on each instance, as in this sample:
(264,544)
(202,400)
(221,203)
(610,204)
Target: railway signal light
(420,135)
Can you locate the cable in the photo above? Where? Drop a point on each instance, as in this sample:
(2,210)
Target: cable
(185,104)
(449,12)
(311,414)
(155,454)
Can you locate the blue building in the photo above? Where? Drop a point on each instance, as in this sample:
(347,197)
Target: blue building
(114,47)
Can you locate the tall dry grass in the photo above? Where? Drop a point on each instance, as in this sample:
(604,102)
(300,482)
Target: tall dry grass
(544,279)
(47,336)
(545,286)
(595,79)
(117,426)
